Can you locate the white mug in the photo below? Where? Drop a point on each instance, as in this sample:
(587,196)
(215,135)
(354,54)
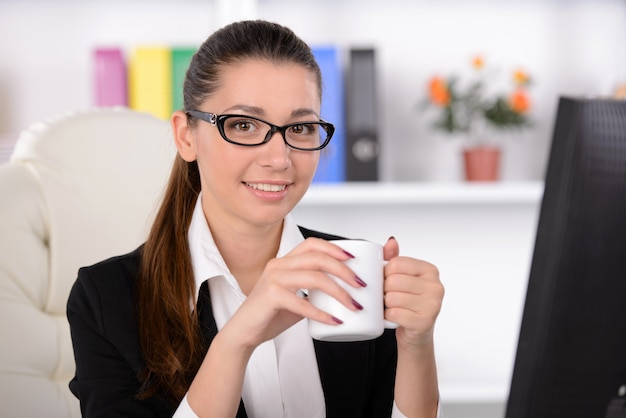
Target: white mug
(368,264)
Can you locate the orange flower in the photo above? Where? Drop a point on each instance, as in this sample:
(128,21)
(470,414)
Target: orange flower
(478,62)
(520,77)
(439,93)
(519,101)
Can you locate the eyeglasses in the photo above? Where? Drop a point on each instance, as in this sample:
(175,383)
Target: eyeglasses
(250,131)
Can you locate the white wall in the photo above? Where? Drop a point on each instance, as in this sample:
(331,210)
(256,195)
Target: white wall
(570,47)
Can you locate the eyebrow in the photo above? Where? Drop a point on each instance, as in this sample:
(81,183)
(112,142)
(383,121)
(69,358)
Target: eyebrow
(257,111)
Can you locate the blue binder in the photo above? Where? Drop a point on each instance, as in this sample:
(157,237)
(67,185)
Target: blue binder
(332,165)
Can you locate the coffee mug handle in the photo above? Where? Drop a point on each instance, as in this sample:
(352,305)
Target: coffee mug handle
(389,324)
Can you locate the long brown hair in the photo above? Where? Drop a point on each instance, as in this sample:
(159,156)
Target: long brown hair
(169,332)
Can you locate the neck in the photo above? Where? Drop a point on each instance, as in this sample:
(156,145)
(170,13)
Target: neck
(246,250)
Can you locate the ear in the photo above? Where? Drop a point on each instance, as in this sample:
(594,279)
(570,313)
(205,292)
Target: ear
(184,136)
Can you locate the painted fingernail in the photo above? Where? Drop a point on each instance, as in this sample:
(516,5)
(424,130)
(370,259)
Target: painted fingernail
(337,320)
(348,254)
(357,305)
(359,281)
(390,238)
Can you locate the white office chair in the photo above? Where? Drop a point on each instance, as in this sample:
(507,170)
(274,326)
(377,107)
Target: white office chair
(78,188)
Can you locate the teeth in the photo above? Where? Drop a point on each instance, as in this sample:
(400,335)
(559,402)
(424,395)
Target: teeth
(267,187)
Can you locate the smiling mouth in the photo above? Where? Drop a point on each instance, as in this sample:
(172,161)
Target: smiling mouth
(267,187)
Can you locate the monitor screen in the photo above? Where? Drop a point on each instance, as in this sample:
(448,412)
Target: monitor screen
(571,354)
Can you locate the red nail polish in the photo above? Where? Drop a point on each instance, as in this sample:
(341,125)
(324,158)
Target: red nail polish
(337,320)
(357,305)
(348,254)
(359,281)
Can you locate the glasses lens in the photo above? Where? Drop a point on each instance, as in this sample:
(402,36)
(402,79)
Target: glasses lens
(245,131)
(309,135)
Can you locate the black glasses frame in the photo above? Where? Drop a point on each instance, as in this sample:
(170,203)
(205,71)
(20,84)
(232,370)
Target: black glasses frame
(218,120)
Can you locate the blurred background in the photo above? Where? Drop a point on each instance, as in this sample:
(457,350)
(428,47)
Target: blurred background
(575,47)
(480,237)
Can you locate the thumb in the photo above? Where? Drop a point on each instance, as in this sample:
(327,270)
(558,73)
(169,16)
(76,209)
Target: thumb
(391,249)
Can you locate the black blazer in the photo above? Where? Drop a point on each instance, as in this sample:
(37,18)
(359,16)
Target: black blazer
(357,377)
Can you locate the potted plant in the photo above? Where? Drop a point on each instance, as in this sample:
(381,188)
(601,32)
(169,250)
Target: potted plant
(476,109)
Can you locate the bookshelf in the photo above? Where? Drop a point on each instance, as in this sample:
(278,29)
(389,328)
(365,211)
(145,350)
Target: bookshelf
(403,33)
(423,193)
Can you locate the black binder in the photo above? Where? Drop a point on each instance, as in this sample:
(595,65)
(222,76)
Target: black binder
(362,143)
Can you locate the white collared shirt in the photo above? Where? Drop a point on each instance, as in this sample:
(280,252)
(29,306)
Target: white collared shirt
(281,378)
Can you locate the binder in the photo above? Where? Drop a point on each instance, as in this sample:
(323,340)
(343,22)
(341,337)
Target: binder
(181,57)
(109,77)
(362,142)
(150,80)
(331,167)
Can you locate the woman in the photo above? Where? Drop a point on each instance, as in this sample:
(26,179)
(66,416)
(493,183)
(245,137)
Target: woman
(224,254)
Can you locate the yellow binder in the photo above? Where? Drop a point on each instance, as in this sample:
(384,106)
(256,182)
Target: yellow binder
(150,80)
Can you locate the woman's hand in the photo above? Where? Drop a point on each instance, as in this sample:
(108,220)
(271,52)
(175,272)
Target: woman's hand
(413,296)
(276,302)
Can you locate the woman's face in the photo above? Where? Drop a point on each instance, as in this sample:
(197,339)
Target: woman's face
(256,185)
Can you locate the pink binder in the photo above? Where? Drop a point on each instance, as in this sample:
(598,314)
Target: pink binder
(109,77)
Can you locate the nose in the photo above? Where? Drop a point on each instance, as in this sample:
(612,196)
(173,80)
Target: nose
(275,152)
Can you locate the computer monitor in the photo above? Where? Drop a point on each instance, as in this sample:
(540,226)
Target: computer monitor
(571,354)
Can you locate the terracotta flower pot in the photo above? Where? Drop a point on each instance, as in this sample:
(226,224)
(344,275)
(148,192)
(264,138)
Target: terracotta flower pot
(482,163)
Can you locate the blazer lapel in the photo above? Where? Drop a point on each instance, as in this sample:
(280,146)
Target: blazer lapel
(208,327)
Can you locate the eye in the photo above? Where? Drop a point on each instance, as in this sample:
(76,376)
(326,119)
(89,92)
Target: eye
(303,129)
(243,125)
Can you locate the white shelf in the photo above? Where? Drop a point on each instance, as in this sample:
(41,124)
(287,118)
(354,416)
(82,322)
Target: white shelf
(435,193)
(473,394)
